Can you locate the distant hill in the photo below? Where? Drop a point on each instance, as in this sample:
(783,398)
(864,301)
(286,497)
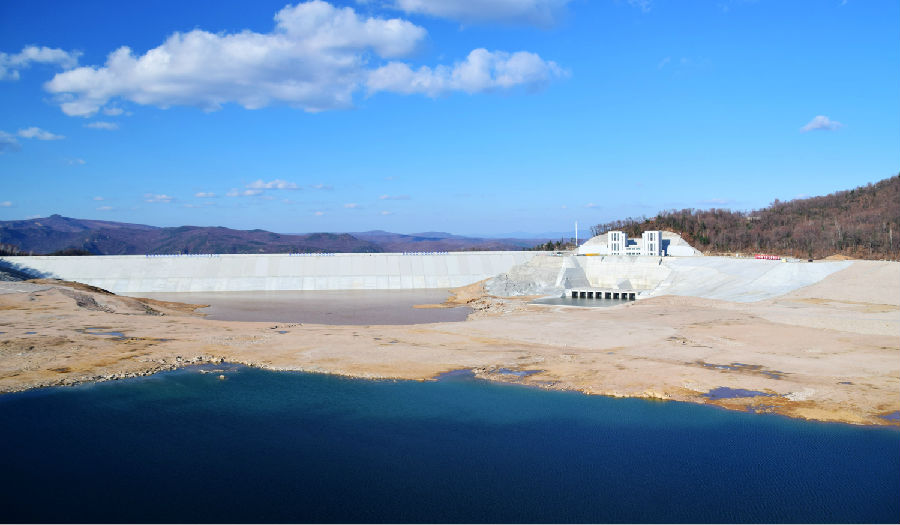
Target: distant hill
(58,234)
(859,223)
(441,242)
(68,236)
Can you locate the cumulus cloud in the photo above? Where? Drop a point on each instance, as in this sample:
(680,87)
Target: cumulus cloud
(532,12)
(591,205)
(204,195)
(313,60)
(6,204)
(394,197)
(162,197)
(109,126)
(10,65)
(387,213)
(821,122)
(76,162)
(8,143)
(105,208)
(352,206)
(98,198)
(481,71)
(39,134)
(316,58)
(277,184)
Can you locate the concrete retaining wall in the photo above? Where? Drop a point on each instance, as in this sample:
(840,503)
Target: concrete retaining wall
(343,271)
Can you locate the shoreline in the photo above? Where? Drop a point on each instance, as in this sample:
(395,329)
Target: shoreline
(476,375)
(819,353)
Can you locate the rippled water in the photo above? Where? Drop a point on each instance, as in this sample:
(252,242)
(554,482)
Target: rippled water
(264,446)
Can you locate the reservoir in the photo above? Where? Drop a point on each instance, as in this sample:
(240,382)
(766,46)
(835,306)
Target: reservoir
(262,446)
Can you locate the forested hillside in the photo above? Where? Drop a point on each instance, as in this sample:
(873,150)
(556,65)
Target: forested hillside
(862,223)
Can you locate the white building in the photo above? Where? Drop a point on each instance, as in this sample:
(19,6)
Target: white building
(651,243)
(619,244)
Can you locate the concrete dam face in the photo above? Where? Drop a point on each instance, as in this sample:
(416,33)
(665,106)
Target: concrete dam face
(270,272)
(723,278)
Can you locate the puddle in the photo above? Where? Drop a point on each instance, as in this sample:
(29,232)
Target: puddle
(743,367)
(845,382)
(452,375)
(724,392)
(893,416)
(96,331)
(517,373)
(282,331)
(30,333)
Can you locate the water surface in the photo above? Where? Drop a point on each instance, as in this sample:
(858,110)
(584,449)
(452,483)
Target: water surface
(264,446)
(335,307)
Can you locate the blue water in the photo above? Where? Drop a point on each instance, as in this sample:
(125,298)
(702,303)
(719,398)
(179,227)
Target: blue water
(290,447)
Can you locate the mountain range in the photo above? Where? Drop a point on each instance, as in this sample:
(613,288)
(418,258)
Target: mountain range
(68,236)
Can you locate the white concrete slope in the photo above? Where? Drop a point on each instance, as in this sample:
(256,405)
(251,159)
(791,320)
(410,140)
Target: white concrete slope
(343,271)
(740,280)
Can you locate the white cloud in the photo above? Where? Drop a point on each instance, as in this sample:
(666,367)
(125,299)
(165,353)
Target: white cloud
(6,204)
(242,193)
(591,205)
(277,184)
(105,208)
(394,197)
(98,198)
(352,206)
(662,63)
(319,213)
(322,187)
(10,65)
(313,59)
(162,197)
(387,213)
(8,143)
(821,122)
(481,71)
(113,111)
(204,195)
(75,162)
(316,58)
(40,134)
(535,12)
(109,126)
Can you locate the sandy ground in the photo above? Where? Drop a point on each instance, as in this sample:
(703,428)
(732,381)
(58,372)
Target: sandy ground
(829,351)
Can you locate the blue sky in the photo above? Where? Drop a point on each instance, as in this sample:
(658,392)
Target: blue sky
(466,116)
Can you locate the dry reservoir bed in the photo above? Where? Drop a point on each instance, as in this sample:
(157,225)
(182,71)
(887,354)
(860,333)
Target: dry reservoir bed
(828,351)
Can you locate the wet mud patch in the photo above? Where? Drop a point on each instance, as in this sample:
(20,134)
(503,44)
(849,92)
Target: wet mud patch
(724,392)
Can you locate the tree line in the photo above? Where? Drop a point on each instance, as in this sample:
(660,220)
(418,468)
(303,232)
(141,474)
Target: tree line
(857,223)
